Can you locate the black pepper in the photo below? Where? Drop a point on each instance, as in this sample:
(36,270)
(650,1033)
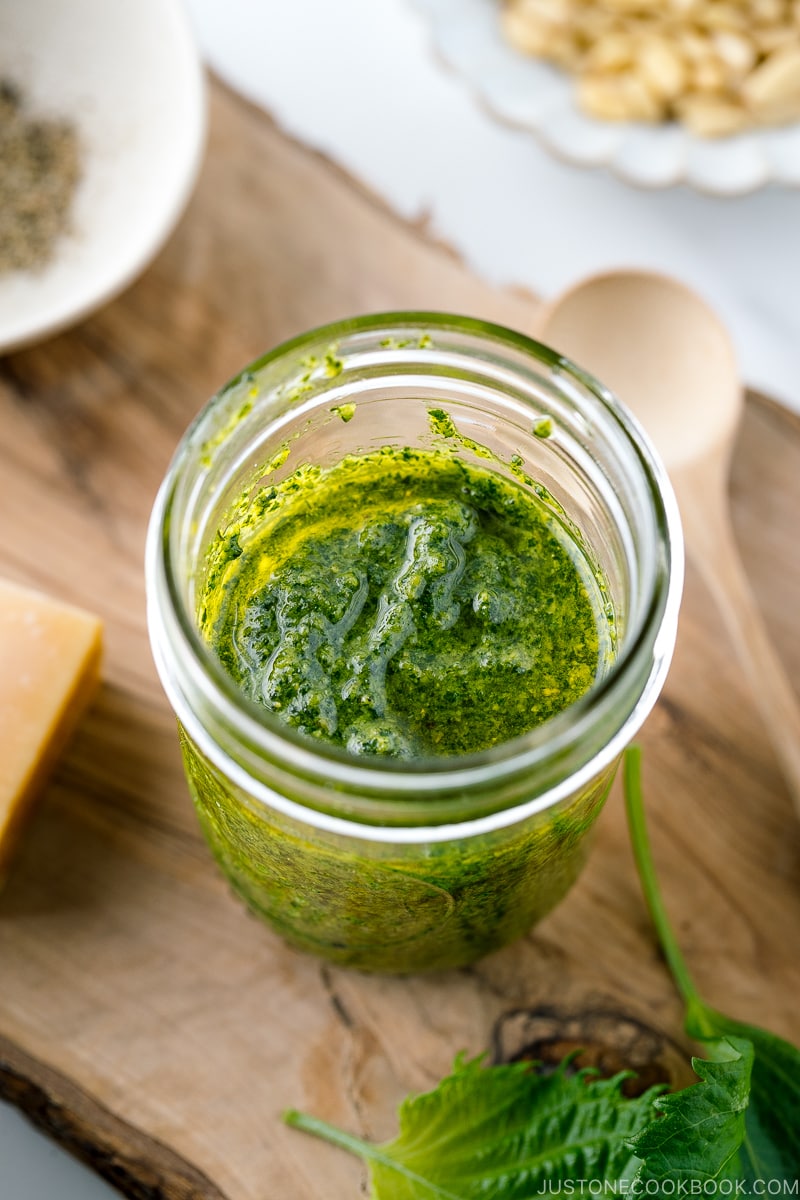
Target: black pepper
(39,171)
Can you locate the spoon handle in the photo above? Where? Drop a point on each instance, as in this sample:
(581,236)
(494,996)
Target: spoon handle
(712,548)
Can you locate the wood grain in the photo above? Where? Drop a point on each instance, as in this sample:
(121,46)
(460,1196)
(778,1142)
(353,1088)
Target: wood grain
(145,1019)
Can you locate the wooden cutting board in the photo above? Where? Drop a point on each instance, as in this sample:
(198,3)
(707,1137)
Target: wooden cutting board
(146,1021)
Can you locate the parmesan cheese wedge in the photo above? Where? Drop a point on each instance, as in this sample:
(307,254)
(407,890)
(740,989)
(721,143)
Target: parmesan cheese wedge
(49,669)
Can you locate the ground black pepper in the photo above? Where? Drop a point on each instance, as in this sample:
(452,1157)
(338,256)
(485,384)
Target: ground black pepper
(39,170)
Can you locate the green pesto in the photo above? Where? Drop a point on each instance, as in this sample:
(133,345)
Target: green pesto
(345,411)
(423,342)
(392,908)
(404,603)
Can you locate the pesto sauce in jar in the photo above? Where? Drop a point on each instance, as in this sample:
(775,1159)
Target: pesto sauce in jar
(404,603)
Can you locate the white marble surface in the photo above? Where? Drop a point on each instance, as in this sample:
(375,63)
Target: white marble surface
(34,1168)
(357,80)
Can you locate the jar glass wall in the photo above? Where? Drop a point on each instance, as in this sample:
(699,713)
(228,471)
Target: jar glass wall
(393,865)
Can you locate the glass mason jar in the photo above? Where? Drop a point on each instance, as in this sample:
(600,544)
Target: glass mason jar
(375,863)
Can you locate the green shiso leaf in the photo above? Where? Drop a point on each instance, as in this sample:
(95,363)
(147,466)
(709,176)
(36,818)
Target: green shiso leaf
(507,1133)
(771,1145)
(701,1131)
(503,1133)
(772,1137)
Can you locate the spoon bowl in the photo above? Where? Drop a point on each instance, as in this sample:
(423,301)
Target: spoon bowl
(669,359)
(661,349)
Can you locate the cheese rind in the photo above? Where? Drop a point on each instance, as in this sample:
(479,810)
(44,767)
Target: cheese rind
(49,669)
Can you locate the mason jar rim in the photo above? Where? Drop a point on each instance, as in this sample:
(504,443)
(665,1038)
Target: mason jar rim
(405,778)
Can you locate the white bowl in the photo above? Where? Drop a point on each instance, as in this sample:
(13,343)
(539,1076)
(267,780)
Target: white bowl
(539,97)
(127,74)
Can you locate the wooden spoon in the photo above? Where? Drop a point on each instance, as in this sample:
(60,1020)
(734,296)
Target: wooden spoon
(670,360)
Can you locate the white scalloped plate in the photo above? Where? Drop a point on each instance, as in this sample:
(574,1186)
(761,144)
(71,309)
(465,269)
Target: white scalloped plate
(538,97)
